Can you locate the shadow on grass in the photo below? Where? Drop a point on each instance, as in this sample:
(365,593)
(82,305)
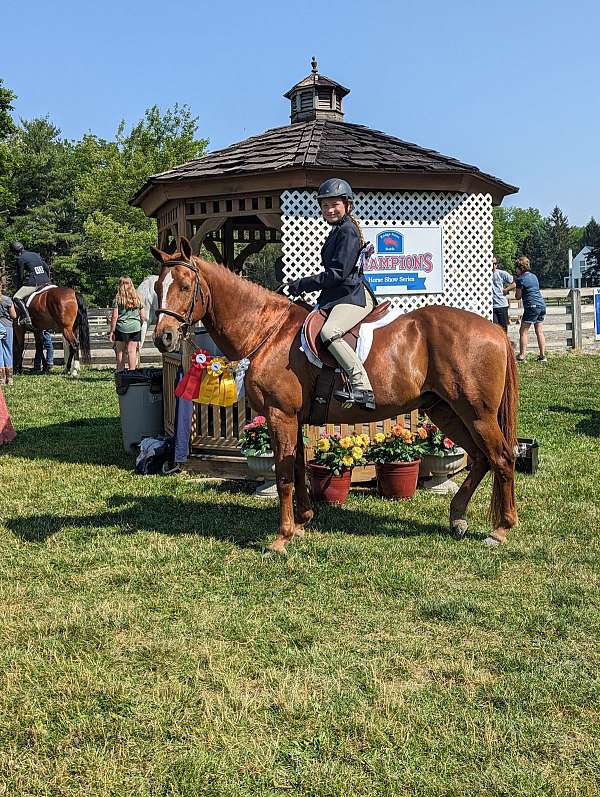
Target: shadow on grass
(84,441)
(245,526)
(589,423)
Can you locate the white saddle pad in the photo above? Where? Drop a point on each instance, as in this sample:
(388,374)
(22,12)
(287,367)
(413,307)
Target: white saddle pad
(365,338)
(37,293)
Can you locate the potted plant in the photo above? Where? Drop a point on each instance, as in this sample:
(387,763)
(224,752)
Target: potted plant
(331,469)
(442,459)
(397,456)
(256,447)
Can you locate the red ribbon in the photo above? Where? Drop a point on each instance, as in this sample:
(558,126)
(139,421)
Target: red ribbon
(189,386)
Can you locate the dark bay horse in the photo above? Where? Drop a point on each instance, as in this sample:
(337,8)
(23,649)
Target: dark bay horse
(65,311)
(452,364)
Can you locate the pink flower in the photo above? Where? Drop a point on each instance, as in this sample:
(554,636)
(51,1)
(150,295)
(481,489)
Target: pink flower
(448,443)
(259,420)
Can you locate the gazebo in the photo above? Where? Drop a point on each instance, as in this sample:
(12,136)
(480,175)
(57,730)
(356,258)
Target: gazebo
(262,190)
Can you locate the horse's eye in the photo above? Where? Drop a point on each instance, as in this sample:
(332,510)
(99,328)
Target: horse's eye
(186,288)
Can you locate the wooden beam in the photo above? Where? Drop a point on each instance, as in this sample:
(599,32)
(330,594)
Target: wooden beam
(228,244)
(211,247)
(253,248)
(272,221)
(209,225)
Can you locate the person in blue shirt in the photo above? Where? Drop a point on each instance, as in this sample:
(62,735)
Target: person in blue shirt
(502,283)
(534,308)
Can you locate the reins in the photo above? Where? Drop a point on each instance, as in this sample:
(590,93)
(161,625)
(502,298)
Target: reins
(186,321)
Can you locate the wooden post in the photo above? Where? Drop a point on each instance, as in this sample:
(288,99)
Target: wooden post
(576,317)
(228,244)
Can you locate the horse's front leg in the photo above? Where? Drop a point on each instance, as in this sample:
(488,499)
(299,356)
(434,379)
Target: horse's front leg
(304,512)
(284,431)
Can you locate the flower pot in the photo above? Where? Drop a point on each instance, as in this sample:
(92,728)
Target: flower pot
(397,480)
(263,466)
(442,466)
(326,486)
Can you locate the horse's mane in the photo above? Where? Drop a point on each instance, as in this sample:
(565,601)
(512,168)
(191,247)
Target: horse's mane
(253,291)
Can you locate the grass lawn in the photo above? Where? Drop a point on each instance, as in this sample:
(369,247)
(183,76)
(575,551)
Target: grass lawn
(146,647)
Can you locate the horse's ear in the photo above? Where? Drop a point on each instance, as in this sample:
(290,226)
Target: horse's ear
(185,248)
(158,255)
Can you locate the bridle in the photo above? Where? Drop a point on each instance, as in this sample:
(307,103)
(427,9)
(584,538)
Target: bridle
(185,320)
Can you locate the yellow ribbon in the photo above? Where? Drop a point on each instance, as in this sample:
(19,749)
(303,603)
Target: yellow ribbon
(218,385)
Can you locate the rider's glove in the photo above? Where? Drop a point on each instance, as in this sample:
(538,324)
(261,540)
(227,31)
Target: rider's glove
(293,287)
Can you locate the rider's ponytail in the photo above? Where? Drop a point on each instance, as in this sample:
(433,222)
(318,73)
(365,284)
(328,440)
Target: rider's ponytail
(356,224)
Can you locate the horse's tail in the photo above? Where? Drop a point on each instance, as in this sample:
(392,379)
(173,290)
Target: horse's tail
(507,420)
(83,330)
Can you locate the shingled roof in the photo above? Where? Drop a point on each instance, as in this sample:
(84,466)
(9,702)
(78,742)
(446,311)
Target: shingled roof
(319,144)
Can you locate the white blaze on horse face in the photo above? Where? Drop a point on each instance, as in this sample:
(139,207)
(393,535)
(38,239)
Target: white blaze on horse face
(167,282)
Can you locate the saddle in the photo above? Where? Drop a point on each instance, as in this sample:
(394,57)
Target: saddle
(328,375)
(314,324)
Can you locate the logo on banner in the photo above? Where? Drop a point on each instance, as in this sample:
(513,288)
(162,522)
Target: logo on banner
(390,241)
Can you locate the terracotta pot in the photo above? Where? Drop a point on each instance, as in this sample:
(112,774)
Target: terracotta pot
(326,486)
(397,480)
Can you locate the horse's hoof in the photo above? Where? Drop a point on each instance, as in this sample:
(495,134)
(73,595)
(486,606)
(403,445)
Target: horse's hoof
(492,542)
(459,528)
(278,546)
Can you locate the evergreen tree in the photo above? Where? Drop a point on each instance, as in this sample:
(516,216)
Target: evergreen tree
(556,259)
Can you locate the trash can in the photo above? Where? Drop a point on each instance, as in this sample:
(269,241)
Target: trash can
(141,405)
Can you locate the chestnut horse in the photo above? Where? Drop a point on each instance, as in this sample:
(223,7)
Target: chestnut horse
(452,364)
(65,311)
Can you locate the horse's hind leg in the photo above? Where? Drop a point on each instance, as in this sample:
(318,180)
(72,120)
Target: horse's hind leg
(488,436)
(444,416)
(71,344)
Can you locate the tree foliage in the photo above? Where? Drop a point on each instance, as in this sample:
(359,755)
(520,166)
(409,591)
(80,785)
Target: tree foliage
(69,200)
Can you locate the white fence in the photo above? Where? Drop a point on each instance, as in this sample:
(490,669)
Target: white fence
(569,322)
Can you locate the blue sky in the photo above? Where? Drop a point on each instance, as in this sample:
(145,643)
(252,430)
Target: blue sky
(510,87)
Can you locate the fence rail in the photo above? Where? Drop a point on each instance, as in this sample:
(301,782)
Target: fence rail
(569,322)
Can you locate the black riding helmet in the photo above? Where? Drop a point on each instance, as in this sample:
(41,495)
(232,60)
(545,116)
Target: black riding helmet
(17,247)
(334,188)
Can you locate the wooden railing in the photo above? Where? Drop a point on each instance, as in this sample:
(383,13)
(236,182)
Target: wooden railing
(569,322)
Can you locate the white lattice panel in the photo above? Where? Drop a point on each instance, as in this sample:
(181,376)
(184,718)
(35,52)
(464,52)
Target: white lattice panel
(466,221)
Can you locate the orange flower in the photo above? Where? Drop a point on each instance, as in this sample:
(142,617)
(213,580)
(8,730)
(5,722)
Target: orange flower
(397,429)
(422,433)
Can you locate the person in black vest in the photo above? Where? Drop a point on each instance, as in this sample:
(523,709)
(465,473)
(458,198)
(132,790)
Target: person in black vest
(32,273)
(344,292)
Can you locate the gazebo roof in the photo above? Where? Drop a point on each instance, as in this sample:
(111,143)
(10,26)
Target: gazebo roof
(322,145)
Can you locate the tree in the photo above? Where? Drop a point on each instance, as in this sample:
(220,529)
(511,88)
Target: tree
(7,128)
(555,264)
(592,238)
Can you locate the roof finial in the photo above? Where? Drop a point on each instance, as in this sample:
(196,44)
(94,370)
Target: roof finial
(313,63)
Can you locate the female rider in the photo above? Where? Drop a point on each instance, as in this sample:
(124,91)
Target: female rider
(343,291)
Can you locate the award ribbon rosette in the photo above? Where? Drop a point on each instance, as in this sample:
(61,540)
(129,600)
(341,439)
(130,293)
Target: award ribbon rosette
(218,384)
(189,385)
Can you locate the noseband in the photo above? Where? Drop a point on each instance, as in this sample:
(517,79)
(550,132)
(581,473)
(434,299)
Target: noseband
(185,320)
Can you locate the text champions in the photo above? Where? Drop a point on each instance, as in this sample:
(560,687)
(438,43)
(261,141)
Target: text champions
(422,262)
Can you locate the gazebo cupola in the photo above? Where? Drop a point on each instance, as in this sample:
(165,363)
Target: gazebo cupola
(316,97)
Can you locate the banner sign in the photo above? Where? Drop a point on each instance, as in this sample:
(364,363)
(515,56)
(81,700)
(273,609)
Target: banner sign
(597,312)
(405,260)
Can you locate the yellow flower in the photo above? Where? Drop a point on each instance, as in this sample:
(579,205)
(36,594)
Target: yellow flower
(406,435)
(324,444)
(348,461)
(379,437)
(357,452)
(346,442)
(422,433)
(357,440)
(365,439)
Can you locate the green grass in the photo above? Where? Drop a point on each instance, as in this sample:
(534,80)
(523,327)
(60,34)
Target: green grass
(146,647)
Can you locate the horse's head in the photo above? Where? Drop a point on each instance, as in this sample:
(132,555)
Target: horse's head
(182,295)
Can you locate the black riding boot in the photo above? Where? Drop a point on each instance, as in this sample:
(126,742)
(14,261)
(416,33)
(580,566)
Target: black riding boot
(24,318)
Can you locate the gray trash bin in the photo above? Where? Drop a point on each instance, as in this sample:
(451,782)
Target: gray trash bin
(141,405)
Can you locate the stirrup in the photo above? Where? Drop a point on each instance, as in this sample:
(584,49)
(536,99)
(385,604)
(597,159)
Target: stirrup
(348,397)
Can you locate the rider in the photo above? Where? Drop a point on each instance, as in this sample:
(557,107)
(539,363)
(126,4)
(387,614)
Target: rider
(32,273)
(344,293)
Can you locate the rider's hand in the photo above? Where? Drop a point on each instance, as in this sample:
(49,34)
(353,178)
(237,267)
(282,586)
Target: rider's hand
(293,287)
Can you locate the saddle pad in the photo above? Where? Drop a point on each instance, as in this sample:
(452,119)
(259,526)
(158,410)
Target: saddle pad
(365,338)
(37,293)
